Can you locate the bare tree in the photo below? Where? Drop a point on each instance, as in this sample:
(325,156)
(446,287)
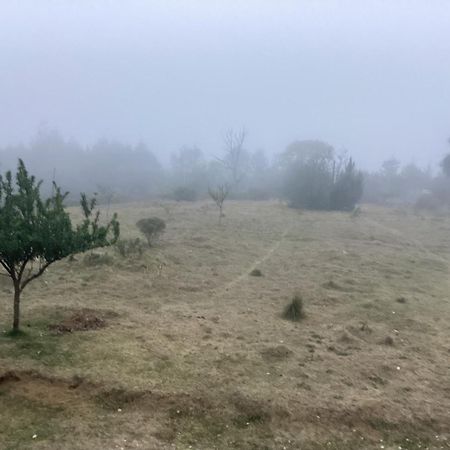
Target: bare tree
(234,159)
(219,194)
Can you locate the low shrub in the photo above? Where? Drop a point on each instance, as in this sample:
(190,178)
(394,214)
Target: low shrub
(130,247)
(151,228)
(256,273)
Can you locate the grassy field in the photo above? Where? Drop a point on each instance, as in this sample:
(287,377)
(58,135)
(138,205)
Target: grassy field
(191,351)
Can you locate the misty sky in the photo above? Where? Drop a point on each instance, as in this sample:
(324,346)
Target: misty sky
(369,76)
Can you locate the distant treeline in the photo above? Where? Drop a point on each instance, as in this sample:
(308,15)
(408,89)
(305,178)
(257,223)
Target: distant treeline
(309,174)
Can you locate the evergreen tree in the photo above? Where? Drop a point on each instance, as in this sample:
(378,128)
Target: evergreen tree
(35,233)
(347,189)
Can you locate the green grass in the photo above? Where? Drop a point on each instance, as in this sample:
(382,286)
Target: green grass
(22,418)
(34,342)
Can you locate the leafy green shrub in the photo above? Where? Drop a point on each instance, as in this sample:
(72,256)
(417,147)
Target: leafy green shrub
(151,228)
(184,194)
(294,310)
(130,247)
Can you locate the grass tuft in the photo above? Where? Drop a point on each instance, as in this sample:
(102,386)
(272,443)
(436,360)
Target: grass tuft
(294,310)
(256,273)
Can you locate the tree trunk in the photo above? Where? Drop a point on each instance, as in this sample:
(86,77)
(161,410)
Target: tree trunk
(16,306)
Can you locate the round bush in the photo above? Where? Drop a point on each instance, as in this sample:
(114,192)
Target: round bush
(151,228)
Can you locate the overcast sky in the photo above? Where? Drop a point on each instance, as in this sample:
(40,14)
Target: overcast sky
(369,76)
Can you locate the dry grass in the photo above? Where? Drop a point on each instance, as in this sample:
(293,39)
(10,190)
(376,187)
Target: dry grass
(195,353)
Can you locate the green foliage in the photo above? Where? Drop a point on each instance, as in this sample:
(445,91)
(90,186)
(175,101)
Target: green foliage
(36,232)
(347,189)
(316,179)
(151,228)
(308,184)
(294,310)
(184,194)
(31,228)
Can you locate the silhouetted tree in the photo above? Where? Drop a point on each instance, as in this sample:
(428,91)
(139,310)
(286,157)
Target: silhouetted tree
(347,189)
(219,195)
(235,159)
(308,168)
(315,178)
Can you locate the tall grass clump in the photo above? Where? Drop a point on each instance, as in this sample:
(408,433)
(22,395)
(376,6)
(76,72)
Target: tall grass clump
(294,309)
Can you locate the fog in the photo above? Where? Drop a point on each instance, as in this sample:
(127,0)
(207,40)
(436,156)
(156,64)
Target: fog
(371,77)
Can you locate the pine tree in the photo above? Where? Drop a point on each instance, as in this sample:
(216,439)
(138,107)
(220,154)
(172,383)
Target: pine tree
(34,233)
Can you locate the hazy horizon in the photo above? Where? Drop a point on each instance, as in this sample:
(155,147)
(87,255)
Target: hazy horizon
(371,77)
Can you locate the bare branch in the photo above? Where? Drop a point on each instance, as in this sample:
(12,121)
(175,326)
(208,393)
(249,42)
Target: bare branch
(22,268)
(234,149)
(219,195)
(7,268)
(36,275)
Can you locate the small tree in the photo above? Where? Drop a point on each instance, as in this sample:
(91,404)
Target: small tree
(219,195)
(35,233)
(151,228)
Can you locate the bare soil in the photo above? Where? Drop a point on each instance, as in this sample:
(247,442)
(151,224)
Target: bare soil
(83,320)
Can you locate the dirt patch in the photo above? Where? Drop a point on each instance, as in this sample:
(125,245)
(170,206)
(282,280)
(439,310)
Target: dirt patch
(9,377)
(178,413)
(83,320)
